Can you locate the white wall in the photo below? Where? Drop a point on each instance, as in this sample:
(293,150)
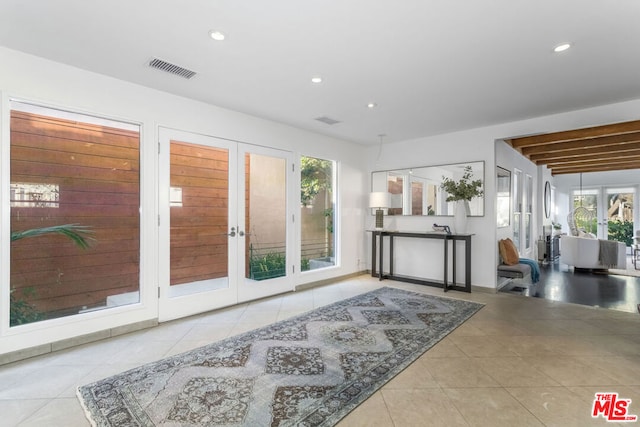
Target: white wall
(34,79)
(480,144)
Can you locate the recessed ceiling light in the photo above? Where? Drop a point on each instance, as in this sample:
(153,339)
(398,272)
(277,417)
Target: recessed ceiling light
(316,79)
(562,47)
(372,105)
(217,35)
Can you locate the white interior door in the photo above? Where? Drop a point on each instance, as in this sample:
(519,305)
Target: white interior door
(198,204)
(265,256)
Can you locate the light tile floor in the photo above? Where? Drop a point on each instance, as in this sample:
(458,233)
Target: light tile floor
(518,362)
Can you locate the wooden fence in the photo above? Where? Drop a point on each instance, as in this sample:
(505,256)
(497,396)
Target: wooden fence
(95,172)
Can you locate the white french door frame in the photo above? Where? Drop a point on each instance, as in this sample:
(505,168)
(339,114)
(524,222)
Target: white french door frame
(172,306)
(238,288)
(249,289)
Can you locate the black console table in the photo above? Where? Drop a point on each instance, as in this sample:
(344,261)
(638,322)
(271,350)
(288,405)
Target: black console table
(377,257)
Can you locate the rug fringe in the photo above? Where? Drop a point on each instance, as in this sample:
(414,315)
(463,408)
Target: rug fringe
(87,413)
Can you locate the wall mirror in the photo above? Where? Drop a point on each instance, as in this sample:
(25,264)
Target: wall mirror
(416,191)
(547,199)
(503,195)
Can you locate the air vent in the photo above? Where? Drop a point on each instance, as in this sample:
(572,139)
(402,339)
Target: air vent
(327,120)
(168,67)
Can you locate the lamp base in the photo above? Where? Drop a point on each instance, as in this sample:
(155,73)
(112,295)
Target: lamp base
(379,219)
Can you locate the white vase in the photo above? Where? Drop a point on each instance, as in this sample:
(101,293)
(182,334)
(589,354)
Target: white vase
(460,217)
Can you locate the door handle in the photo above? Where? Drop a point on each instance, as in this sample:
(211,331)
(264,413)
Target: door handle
(241,233)
(233,232)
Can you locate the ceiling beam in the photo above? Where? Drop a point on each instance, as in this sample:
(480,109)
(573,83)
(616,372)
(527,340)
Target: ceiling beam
(577,134)
(605,141)
(594,168)
(602,157)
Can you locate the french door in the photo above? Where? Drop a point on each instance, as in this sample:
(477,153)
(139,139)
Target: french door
(612,209)
(225,223)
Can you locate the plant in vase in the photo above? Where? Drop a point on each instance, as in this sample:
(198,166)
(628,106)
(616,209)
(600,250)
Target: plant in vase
(461,192)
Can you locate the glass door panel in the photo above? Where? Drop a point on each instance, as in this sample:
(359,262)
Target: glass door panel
(588,199)
(199,271)
(264,227)
(618,223)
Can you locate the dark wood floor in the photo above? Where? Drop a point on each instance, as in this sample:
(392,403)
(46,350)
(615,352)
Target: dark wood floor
(558,282)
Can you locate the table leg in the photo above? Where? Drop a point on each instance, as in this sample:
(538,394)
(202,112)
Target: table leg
(446,263)
(374,254)
(381,257)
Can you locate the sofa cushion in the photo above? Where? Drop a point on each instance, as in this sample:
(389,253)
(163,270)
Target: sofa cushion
(508,251)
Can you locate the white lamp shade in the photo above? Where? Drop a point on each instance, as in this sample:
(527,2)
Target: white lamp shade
(379,199)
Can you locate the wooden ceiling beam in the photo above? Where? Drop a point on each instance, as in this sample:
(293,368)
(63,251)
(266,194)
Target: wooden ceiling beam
(592,161)
(587,143)
(605,154)
(577,134)
(594,168)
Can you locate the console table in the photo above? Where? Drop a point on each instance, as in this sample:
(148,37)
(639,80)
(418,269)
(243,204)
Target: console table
(377,257)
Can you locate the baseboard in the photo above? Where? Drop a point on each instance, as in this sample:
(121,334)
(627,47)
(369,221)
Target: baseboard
(40,350)
(323,282)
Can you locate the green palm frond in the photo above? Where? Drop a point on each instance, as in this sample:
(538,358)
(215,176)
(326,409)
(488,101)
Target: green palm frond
(79,234)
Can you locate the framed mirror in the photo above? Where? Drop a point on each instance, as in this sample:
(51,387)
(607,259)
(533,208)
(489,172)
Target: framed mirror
(547,199)
(503,196)
(416,191)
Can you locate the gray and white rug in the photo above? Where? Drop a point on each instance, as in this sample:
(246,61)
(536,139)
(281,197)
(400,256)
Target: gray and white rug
(310,370)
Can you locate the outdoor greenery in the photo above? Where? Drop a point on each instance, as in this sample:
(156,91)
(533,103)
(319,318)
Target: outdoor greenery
(267,265)
(20,311)
(464,189)
(315,176)
(621,231)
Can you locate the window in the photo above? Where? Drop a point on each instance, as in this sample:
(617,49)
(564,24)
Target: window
(75,203)
(528,220)
(517,206)
(317,196)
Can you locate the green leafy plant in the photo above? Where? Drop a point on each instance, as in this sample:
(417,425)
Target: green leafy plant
(266,266)
(621,231)
(315,176)
(464,189)
(20,311)
(79,234)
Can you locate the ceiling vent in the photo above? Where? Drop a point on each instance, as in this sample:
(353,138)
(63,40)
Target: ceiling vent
(168,67)
(327,120)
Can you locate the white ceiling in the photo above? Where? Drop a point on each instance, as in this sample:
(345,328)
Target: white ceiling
(432,66)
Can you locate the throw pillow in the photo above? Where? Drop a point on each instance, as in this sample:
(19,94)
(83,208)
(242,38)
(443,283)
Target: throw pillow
(508,252)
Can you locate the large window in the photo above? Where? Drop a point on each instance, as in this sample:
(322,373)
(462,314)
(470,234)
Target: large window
(317,193)
(75,203)
(517,207)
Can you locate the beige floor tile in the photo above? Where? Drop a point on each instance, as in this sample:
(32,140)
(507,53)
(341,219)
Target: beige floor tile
(514,372)
(458,372)
(415,376)
(424,407)
(61,412)
(625,370)
(490,407)
(524,345)
(16,410)
(480,346)
(371,413)
(570,371)
(556,406)
(445,348)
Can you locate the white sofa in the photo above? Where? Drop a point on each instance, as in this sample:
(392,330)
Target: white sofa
(582,252)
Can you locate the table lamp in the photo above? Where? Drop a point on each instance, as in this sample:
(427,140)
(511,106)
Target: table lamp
(379,200)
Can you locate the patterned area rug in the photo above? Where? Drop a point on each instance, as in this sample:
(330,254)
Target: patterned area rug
(310,370)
